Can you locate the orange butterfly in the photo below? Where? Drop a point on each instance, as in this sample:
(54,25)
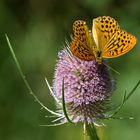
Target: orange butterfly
(106,40)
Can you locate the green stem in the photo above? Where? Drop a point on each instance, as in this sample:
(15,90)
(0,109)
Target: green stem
(91,131)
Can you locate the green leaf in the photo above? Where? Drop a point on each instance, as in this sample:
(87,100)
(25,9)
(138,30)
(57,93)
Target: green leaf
(25,80)
(125,98)
(64,105)
(131,92)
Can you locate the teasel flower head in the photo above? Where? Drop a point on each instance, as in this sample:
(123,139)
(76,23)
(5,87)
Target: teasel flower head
(88,87)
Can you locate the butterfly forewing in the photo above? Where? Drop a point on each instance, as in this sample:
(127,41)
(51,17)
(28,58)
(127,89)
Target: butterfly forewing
(82,42)
(103,29)
(120,43)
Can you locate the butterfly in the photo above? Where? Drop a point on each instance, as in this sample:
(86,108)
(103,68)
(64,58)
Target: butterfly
(106,40)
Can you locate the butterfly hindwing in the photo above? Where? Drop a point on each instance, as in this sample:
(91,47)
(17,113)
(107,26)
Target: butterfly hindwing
(120,43)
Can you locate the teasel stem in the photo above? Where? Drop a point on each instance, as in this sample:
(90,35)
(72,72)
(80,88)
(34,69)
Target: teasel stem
(91,131)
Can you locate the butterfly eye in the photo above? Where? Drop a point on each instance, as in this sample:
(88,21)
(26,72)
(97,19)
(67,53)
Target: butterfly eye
(98,53)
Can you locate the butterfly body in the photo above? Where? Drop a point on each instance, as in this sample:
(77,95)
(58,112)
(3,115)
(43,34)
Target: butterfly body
(106,40)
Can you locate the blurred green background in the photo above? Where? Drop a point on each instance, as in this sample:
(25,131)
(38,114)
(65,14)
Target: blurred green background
(37,30)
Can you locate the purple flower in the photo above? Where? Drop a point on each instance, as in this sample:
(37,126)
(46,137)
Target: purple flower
(87,87)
